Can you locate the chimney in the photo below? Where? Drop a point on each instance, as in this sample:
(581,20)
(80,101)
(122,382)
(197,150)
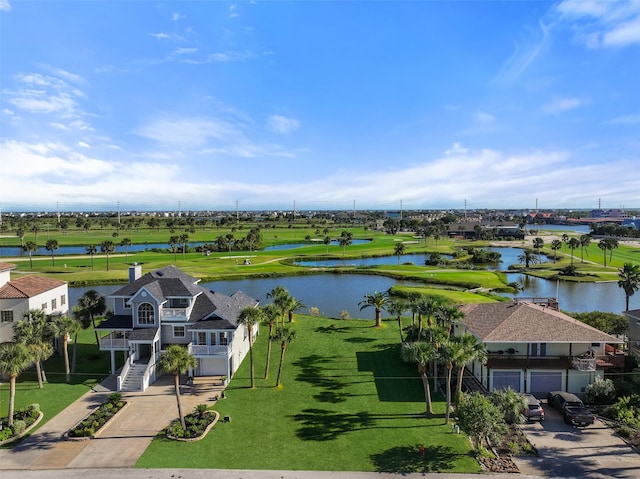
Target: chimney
(135,271)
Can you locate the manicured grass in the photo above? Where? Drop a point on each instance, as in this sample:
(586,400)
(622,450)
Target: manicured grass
(347,403)
(56,394)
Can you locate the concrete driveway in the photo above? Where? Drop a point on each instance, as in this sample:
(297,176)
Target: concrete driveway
(123,440)
(570,452)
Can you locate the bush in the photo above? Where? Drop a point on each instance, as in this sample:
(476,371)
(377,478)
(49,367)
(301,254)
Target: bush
(601,391)
(19,427)
(5,433)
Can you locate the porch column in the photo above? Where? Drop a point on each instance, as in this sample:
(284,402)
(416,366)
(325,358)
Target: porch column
(113,361)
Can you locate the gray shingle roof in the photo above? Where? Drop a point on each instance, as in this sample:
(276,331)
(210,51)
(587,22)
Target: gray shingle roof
(527,322)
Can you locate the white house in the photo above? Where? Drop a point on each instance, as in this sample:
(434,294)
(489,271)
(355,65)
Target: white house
(167,306)
(535,348)
(19,295)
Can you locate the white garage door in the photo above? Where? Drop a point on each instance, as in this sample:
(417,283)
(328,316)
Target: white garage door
(212,367)
(505,379)
(541,382)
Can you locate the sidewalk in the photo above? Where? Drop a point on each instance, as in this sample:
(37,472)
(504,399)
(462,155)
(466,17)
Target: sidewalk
(123,440)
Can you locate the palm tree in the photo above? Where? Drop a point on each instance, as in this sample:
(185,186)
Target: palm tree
(83,318)
(66,327)
(556,244)
(574,243)
(20,234)
(377,300)
(293,305)
(271,313)
(448,316)
(427,308)
(346,238)
(281,298)
(35,228)
(51,245)
(538,244)
(399,250)
(629,280)
(250,316)
(126,242)
(91,250)
(14,358)
(612,244)
(184,241)
(173,242)
(327,242)
(451,353)
(107,247)
(37,334)
(285,336)
(397,307)
(30,247)
(473,350)
(585,241)
(176,360)
(528,257)
(421,353)
(565,239)
(603,244)
(93,304)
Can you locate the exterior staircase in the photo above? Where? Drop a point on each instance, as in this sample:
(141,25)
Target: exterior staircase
(133,380)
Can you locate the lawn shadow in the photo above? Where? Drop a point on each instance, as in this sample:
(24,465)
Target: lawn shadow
(325,425)
(313,371)
(360,340)
(408,459)
(394,380)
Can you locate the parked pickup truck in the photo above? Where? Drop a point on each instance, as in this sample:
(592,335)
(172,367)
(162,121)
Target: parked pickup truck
(578,416)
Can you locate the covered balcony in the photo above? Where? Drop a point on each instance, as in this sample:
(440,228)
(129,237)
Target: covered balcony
(205,350)
(174,314)
(114,341)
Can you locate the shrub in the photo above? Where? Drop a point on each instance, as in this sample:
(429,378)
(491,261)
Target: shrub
(601,391)
(344,314)
(114,397)
(19,427)
(5,433)
(314,311)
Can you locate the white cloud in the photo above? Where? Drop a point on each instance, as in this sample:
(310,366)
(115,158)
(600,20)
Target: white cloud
(626,120)
(184,51)
(5,6)
(559,105)
(484,117)
(282,124)
(176,16)
(602,23)
(83,144)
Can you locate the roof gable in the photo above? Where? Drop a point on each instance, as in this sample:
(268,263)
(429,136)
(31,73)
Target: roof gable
(28,287)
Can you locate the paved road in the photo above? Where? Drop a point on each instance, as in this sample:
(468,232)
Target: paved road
(566,451)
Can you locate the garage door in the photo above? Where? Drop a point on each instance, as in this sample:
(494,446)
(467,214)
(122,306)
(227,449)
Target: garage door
(541,382)
(212,367)
(505,379)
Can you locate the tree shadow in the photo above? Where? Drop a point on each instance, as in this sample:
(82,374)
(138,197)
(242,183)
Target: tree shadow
(360,340)
(325,425)
(313,371)
(408,459)
(394,380)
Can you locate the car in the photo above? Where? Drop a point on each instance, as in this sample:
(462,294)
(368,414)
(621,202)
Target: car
(561,400)
(534,410)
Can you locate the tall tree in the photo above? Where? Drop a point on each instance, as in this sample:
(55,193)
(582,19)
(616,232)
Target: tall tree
(14,358)
(376,300)
(52,245)
(176,360)
(67,326)
(538,243)
(346,238)
(37,334)
(556,244)
(399,250)
(451,353)
(396,308)
(528,257)
(271,318)
(93,304)
(629,281)
(293,305)
(421,354)
(285,336)
(30,247)
(473,350)
(250,316)
(91,250)
(183,241)
(585,241)
(574,244)
(603,244)
(281,298)
(173,245)
(107,247)
(327,242)
(20,234)
(126,242)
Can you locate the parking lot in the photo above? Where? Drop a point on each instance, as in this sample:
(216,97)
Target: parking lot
(566,451)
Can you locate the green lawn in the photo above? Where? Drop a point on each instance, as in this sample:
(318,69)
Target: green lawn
(347,403)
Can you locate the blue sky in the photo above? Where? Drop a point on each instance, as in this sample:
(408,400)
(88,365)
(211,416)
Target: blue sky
(321,104)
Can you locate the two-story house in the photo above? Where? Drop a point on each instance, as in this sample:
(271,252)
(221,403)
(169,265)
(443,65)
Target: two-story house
(535,348)
(19,295)
(633,331)
(167,306)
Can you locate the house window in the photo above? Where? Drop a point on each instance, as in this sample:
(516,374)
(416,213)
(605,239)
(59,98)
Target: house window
(63,300)
(179,303)
(44,307)
(126,304)
(179,332)
(202,338)
(146,314)
(54,304)
(212,338)
(538,349)
(6,316)
(224,340)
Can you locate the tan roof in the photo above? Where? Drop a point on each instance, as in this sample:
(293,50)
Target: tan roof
(527,322)
(28,286)
(6,266)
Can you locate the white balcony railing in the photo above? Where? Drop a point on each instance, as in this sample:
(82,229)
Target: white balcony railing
(174,313)
(114,342)
(206,350)
(584,364)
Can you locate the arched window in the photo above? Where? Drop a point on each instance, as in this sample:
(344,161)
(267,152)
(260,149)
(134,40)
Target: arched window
(146,314)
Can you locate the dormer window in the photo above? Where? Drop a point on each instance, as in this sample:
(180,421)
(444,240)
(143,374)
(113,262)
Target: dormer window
(179,303)
(146,314)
